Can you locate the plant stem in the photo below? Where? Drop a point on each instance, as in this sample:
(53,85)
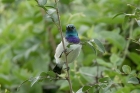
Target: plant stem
(60,29)
(97,76)
(128,42)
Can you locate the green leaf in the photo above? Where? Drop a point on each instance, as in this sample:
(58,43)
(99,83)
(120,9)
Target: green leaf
(34,80)
(99,45)
(50,6)
(90,32)
(42,76)
(114,38)
(8,1)
(138,75)
(134,57)
(51,11)
(42,2)
(131,6)
(126,69)
(5,79)
(51,74)
(69,45)
(114,58)
(66,1)
(133,80)
(138,22)
(117,15)
(31,49)
(89,72)
(137,14)
(83,89)
(104,63)
(105,80)
(80,90)
(126,19)
(93,47)
(63,85)
(87,61)
(135,91)
(43,7)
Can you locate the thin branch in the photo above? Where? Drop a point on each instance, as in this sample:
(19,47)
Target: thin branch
(97,77)
(128,42)
(21,84)
(60,29)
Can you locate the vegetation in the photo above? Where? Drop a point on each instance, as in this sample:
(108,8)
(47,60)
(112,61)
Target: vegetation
(109,31)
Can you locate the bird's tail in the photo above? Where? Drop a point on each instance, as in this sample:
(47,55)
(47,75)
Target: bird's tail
(57,69)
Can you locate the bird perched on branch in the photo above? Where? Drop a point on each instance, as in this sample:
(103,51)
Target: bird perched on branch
(72,48)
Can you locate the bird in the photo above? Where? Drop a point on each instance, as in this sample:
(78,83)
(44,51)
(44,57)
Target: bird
(72,48)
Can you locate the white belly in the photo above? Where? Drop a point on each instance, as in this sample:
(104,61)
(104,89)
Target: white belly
(73,51)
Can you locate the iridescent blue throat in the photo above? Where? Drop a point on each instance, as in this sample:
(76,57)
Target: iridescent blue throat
(73,39)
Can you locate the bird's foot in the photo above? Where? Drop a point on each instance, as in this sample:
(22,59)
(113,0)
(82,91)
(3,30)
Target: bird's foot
(68,68)
(68,52)
(64,51)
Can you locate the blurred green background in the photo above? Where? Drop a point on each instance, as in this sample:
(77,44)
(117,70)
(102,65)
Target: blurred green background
(28,39)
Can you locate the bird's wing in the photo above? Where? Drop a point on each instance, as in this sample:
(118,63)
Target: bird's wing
(60,50)
(75,51)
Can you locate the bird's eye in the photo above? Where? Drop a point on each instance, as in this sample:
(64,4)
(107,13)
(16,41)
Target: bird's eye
(72,27)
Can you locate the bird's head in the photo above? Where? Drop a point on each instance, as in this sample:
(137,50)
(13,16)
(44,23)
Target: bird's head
(71,34)
(70,27)
(71,30)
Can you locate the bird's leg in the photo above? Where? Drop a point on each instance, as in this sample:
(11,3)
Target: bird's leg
(68,68)
(68,52)
(62,53)
(65,51)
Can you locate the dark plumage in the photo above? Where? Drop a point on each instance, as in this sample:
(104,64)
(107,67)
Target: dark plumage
(74,40)
(71,34)
(57,69)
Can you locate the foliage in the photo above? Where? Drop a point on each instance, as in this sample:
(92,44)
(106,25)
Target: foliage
(29,35)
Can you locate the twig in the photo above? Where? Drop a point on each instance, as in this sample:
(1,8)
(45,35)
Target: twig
(21,84)
(97,77)
(60,29)
(128,42)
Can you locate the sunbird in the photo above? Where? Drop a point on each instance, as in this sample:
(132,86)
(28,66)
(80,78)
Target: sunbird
(72,48)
